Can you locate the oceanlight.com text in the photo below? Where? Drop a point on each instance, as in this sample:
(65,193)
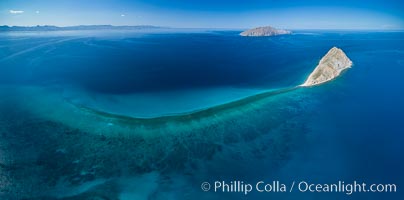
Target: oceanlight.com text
(347,188)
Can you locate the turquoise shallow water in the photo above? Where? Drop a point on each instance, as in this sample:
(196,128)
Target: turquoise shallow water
(348,129)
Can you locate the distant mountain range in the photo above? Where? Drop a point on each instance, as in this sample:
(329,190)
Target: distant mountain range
(81,27)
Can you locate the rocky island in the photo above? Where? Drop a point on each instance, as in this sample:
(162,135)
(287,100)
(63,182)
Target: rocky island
(329,67)
(265,31)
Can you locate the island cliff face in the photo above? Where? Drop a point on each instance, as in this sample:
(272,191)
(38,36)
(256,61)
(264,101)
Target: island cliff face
(329,67)
(264,31)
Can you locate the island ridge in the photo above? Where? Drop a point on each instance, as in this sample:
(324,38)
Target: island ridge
(329,67)
(265,31)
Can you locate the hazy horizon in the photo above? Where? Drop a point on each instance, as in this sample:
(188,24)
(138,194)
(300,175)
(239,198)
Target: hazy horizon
(214,28)
(225,14)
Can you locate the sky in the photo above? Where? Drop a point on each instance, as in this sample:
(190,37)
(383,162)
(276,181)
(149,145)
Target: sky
(297,14)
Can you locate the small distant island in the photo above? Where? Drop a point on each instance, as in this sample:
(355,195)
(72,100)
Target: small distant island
(265,31)
(329,67)
(74,28)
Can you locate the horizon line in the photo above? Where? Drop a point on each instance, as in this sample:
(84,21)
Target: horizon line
(234,28)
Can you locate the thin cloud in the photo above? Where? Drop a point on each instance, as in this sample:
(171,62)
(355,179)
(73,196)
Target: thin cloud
(16,11)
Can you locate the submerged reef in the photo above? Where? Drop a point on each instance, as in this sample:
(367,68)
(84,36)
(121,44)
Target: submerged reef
(73,161)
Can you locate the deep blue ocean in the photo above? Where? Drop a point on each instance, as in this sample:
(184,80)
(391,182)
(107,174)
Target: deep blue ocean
(52,147)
